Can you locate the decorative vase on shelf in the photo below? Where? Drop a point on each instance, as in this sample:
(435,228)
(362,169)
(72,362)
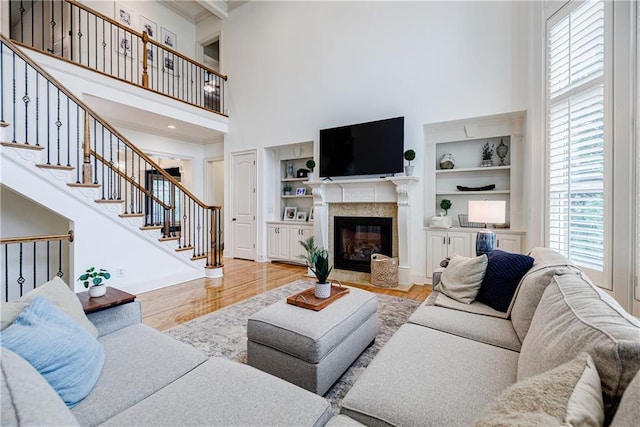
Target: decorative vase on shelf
(501,151)
(290,170)
(323,290)
(447,161)
(408,170)
(97,291)
(310,176)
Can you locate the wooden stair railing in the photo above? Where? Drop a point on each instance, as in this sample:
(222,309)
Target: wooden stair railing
(73,32)
(42,114)
(24,264)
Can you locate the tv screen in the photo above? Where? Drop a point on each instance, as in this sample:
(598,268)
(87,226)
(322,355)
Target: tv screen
(372,148)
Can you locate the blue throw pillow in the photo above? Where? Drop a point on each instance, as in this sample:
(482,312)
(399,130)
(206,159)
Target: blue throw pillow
(61,350)
(504,271)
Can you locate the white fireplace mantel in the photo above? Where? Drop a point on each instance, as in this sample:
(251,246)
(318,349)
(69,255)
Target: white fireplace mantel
(376,190)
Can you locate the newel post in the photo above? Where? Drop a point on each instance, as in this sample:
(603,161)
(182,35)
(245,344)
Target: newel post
(87,176)
(145,65)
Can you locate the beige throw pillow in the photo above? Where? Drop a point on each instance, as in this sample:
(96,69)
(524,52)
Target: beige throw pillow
(569,395)
(462,278)
(59,294)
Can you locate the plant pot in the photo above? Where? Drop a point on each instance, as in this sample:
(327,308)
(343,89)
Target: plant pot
(97,291)
(323,290)
(486,163)
(408,170)
(310,176)
(287,193)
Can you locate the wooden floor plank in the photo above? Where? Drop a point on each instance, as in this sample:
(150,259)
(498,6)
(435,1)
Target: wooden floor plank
(174,305)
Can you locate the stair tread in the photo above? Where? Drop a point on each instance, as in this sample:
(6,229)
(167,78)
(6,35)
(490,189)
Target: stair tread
(151,227)
(132,215)
(184,248)
(21,145)
(166,239)
(60,167)
(81,185)
(197,257)
(114,201)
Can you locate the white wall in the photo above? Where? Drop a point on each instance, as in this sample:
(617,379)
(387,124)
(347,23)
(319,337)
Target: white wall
(297,67)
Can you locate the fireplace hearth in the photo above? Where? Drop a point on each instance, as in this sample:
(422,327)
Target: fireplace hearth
(356,238)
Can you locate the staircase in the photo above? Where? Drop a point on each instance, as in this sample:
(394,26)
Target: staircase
(58,152)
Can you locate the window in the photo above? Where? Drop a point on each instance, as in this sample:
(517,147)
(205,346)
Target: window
(577,140)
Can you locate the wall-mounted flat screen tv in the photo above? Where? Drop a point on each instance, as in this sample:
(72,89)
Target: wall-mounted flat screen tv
(372,148)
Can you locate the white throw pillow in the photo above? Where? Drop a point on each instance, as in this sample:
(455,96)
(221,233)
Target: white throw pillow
(462,278)
(59,294)
(569,395)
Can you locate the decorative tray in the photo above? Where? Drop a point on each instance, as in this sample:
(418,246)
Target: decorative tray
(485,188)
(307,298)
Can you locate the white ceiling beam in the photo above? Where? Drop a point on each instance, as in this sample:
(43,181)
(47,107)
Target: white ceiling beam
(217,7)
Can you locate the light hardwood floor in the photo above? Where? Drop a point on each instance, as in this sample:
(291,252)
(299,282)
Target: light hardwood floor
(174,305)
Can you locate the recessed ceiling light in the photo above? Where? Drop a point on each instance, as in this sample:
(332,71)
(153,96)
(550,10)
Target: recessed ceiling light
(171,127)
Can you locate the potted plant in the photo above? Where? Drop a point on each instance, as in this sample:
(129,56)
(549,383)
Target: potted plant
(487,154)
(95,279)
(287,189)
(409,155)
(311,164)
(317,260)
(445,204)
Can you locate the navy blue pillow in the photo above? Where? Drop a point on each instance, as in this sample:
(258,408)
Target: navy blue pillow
(504,271)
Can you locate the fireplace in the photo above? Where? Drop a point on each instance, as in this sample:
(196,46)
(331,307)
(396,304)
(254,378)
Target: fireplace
(356,238)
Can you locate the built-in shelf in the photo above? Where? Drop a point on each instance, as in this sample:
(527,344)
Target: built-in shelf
(462,193)
(294,196)
(293,179)
(479,169)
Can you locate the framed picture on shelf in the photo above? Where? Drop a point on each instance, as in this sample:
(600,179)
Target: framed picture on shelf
(125,15)
(301,191)
(290,213)
(168,39)
(311,214)
(301,216)
(168,63)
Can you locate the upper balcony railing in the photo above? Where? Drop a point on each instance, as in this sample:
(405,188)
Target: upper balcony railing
(74,32)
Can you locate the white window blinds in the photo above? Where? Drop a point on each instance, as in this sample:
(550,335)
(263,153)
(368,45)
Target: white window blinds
(576,120)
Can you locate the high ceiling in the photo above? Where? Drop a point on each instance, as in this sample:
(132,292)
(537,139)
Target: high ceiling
(197,10)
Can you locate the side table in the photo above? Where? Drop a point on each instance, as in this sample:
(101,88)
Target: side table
(112,298)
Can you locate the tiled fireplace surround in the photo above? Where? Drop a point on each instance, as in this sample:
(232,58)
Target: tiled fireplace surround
(380,197)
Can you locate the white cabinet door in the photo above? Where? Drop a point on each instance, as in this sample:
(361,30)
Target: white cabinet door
(509,243)
(278,241)
(436,250)
(459,243)
(298,233)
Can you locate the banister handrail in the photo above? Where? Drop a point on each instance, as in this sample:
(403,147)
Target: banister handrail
(106,125)
(42,238)
(139,34)
(79,35)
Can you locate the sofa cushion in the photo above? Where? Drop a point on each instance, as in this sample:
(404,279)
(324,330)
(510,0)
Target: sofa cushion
(441,300)
(27,398)
(61,350)
(574,316)
(225,393)
(139,361)
(547,263)
(569,395)
(59,294)
(462,278)
(628,412)
(417,377)
(486,329)
(504,272)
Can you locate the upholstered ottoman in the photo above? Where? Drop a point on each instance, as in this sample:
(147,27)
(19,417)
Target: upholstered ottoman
(312,349)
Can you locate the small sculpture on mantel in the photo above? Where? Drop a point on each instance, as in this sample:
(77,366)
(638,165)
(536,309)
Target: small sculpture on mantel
(501,151)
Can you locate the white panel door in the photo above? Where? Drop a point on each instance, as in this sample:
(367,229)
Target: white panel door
(243,214)
(459,243)
(278,241)
(298,233)
(509,243)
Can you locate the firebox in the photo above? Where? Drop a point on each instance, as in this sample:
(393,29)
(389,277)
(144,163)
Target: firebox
(356,238)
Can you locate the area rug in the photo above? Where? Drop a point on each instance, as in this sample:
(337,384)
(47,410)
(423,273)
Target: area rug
(224,332)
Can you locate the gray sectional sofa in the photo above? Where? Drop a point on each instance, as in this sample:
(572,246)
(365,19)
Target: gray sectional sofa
(451,361)
(151,379)
(445,367)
